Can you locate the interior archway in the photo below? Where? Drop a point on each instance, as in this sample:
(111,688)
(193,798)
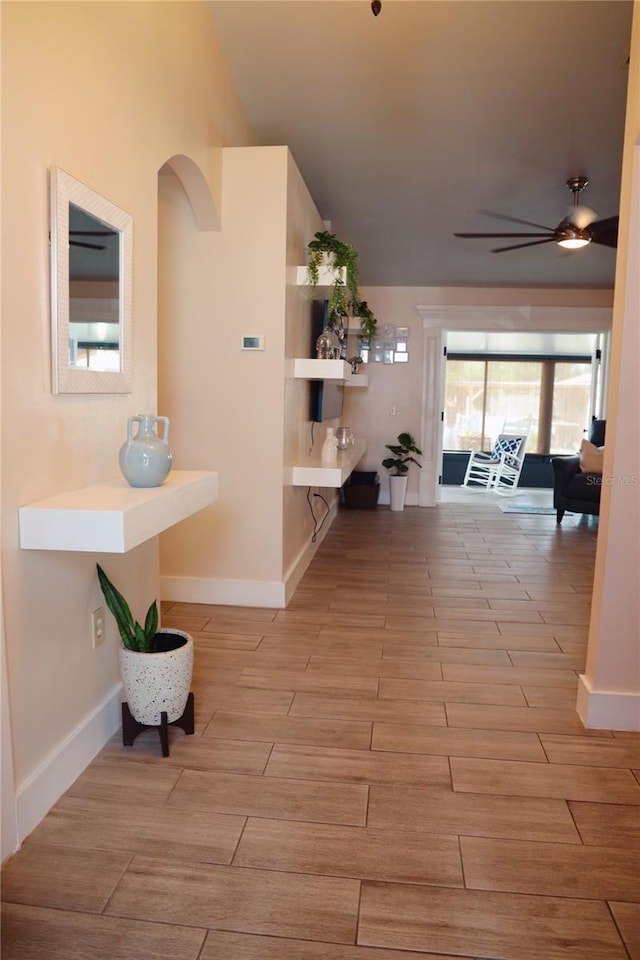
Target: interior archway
(188,246)
(197,189)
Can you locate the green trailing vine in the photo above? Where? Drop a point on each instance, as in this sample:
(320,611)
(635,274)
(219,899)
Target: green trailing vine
(325,247)
(368,321)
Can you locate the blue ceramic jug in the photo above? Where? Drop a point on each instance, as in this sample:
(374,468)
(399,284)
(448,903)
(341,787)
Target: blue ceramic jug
(145,459)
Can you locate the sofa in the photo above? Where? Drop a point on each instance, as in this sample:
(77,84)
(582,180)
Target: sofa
(574,490)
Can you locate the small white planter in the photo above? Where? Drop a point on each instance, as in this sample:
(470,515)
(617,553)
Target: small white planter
(157,682)
(397,492)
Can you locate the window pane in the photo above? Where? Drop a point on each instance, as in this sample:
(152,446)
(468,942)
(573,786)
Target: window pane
(464,395)
(513,398)
(571,392)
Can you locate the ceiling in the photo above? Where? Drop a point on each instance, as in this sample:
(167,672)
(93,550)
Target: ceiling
(405,125)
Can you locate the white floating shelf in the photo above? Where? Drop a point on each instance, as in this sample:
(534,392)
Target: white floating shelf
(326,277)
(307,369)
(358,380)
(113,517)
(314,473)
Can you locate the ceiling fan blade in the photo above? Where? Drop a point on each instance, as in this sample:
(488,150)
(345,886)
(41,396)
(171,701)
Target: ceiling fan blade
(92,233)
(503,216)
(87,246)
(519,246)
(605,231)
(472,235)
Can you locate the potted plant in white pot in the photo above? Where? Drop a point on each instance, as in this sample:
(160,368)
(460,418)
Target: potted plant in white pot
(156,666)
(327,251)
(402,452)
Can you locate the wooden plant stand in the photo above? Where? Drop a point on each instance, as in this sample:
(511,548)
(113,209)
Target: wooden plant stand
(131,727)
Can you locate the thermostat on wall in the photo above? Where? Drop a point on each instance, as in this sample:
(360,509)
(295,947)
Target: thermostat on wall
(252,343)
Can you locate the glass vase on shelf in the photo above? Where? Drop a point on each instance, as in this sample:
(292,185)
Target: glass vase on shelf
(345,438)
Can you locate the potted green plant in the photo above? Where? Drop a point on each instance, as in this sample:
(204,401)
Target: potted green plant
(326,250)
(402,452)
(367,318)
(156,667)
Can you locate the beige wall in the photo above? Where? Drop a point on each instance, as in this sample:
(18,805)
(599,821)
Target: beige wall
(226,404)
(236,411)
(610,689)
(108,92)
(303,220)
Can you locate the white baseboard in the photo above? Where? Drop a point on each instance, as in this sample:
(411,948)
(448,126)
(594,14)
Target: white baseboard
(246,593)
(44,787)
(606,710)
(234,593)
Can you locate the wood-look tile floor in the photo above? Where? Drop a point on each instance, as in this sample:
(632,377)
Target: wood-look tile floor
(392,768)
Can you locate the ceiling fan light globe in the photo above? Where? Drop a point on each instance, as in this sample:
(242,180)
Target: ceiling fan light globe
(574,243)
(572,237)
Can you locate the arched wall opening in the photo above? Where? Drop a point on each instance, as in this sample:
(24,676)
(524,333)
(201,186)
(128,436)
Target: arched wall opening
(188,249)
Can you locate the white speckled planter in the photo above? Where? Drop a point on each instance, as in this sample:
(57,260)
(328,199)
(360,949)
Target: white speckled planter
(154,682)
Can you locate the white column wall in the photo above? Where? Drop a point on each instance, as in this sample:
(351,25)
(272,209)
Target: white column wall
(609,693)
(227,405)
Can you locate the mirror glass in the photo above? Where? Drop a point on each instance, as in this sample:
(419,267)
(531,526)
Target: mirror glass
(91,290)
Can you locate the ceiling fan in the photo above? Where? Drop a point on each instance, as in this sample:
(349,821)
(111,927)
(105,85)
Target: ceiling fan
(89,233)
(579,228)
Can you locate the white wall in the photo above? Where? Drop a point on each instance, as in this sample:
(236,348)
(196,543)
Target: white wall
(609,694)
(108,92)
(236,411)
(226,404)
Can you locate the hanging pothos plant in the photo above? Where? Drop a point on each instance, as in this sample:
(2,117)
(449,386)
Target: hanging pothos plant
(326,250)
(368,321)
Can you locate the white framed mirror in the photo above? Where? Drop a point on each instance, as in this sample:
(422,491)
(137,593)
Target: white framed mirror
(91,290)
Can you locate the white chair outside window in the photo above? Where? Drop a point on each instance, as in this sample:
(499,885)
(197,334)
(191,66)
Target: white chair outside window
(499,470)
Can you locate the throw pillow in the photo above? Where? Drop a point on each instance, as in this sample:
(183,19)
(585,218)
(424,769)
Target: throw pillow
(505,445)
(591,457)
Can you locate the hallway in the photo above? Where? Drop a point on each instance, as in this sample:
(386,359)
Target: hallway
(390,769)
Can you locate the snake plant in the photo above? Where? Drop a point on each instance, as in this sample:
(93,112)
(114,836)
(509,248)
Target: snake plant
(133,636)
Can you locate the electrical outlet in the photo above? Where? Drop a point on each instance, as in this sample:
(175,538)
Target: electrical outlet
(97,627)
(393,410)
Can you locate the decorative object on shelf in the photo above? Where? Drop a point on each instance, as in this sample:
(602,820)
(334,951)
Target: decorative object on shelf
(402,452)
(156,666)
(355,363)
(145,459)
(368,322)
(329,452)
(326,250)
(328,346)
(345,438)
